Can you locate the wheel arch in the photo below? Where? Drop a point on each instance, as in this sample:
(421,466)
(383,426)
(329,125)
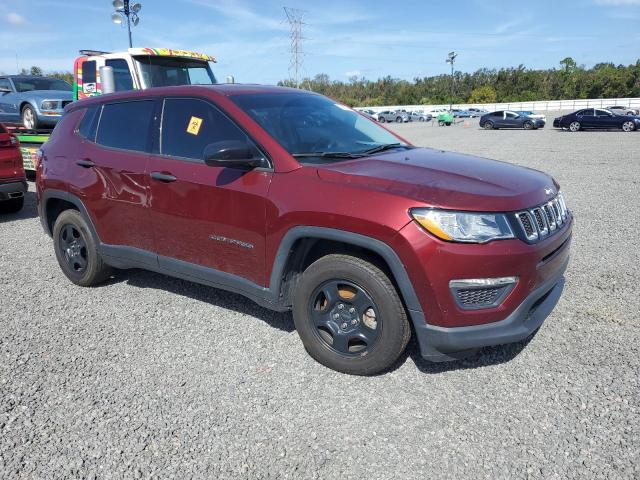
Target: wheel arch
(54,202)
(302,245)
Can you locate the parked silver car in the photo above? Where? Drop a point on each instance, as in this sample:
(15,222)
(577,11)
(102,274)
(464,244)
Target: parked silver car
(393,116)
(420,117)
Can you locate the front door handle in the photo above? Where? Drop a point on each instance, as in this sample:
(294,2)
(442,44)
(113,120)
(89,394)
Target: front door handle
(163,177)
(85,163)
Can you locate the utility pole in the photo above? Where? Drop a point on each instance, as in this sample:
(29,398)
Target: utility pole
(295,18)
(451,58)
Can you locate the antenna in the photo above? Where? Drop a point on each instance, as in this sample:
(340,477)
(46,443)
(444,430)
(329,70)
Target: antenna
(295,18)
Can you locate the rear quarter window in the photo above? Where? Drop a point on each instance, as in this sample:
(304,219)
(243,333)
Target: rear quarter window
(126,125)
(89,123)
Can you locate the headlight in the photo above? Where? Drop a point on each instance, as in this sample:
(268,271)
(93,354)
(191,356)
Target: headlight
(463,226)
(49,105)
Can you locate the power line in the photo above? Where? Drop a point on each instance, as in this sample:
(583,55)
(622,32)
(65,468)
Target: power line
(295,18)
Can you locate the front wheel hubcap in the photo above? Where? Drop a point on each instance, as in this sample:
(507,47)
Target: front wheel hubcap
(344,317)
(627,126)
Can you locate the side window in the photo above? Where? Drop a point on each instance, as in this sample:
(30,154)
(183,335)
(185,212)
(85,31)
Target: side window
(121,74)
(89,122)
(602,113)
(511,115)
(190,124)
(5,84)
(588,111)
(89,72)
(497,114)
(126,125)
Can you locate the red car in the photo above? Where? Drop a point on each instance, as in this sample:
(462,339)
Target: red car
(13,183)
(302,204)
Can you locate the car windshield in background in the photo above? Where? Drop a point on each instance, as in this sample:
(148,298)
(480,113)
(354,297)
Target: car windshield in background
(170,71)
(314,127)
(29,84)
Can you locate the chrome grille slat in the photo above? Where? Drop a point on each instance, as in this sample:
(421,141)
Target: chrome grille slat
(541,221)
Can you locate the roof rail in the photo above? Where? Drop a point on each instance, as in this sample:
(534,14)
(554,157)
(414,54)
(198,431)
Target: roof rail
(92,52)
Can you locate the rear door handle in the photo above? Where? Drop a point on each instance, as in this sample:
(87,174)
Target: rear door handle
(86,163)
(163,177)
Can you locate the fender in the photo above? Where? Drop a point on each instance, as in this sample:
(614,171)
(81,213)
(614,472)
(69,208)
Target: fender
(269,297)
(385,251)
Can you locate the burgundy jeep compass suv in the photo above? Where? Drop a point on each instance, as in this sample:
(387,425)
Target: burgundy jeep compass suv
(302,204)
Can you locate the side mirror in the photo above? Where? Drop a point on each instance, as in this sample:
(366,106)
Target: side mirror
(231,154)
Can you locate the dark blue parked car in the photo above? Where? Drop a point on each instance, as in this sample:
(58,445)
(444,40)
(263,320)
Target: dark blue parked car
(36,102)
(509,119)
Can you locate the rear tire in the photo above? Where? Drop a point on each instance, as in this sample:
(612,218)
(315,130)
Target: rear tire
(398,119)
(488,125)
(349,315)
(12,206)
(381,120)
(575,127)
(76,250)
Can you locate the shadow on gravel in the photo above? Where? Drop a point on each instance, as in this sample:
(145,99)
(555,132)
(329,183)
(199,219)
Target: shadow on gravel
(202,293)
(28,211)
(484,357)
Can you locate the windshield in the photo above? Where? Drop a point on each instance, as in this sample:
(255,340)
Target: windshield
(170,71)
(28,84)
(305,123)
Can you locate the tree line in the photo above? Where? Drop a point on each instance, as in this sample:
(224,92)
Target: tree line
(568,81)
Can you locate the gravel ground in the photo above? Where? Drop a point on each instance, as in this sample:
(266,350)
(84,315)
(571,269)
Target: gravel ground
(151,377)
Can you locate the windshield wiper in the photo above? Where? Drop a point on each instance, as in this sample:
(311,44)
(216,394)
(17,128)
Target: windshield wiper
(328,154)
(382,148)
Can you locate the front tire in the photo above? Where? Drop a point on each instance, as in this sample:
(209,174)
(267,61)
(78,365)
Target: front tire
(29,118)
(76,250)
(382,120)
(528,126)
(575,127)
(349,315)
(398,119)
(628,126)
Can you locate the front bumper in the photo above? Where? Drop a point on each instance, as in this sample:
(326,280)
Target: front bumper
(443,344)
(13,189)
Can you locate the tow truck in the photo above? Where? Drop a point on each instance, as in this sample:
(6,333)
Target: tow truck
(134,69)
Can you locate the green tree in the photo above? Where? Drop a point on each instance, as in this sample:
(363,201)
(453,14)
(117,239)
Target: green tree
(36,71)
(484,94)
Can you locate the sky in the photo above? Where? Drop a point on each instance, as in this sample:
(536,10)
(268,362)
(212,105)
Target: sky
(342,38)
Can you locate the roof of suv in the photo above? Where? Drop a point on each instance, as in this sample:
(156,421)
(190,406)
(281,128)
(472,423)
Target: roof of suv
(223,89)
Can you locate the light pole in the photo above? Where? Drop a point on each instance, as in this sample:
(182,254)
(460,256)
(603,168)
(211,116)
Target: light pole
(123,10)
(451,58)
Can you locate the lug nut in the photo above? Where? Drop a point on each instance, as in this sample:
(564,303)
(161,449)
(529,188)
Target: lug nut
(352,310)
(354,321)
(343,326)
(340,306)
(336,316)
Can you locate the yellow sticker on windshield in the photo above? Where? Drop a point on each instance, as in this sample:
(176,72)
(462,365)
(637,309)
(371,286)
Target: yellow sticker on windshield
(194,126)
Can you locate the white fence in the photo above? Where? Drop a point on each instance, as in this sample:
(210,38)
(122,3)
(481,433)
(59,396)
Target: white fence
(550,105)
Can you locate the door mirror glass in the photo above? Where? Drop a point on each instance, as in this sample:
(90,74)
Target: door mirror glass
(231,154)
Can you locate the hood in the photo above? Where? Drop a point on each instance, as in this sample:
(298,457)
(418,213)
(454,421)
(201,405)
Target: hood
(48,94)
(446,180)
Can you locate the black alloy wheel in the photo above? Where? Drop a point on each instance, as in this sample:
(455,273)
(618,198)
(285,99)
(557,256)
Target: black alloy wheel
(345,317)
(74,248)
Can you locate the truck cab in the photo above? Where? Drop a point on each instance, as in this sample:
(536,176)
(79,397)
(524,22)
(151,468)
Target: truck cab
(141,68)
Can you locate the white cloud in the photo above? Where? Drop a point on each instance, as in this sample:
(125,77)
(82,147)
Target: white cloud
(15,19)
(353,73)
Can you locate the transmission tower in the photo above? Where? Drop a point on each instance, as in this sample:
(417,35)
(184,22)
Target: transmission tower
(295,18)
